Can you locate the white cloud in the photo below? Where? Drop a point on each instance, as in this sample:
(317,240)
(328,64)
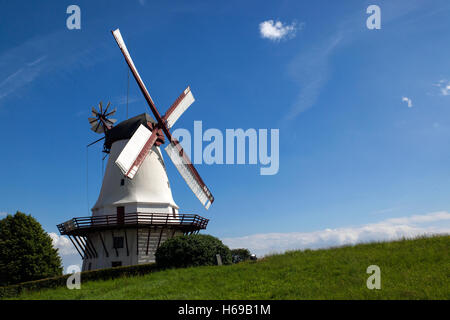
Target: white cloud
(408,101)
(262,244)
(444,87)
(3,214)
(63,244)
(390,229)
(276,31)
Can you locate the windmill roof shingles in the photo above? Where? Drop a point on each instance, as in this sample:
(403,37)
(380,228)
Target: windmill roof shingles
(125,129)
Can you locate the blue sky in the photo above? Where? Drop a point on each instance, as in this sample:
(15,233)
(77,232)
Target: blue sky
(353,155)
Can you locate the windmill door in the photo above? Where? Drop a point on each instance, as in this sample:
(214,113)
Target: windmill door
(120,215)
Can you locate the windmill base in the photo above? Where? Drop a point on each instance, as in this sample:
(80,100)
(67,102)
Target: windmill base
(127,239)
(126,247)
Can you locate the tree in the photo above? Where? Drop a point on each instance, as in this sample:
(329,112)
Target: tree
(240,254)
(192,250)
(26,251)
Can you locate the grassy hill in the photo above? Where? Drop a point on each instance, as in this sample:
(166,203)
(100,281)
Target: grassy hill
(410,269)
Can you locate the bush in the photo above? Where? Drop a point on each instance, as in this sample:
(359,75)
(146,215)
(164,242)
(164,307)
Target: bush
(192,250)
(99,274)
(26,251)
(239,255)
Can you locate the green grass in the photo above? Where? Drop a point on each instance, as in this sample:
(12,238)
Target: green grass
(410,269)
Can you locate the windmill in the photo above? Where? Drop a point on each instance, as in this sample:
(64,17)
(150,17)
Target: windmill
(135,211)
(137,150)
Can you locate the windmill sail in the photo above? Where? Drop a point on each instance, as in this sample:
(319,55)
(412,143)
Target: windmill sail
(126,54)
(189,173)
(135,151)
(175,151)
(179,107)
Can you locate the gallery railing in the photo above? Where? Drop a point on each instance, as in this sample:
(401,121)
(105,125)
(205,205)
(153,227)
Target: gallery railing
(133,219)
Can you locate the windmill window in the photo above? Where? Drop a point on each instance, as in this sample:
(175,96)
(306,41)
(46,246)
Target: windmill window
(116,264)
(118,242)
(122,182)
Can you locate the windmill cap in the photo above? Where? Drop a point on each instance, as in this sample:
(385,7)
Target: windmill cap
(125,129)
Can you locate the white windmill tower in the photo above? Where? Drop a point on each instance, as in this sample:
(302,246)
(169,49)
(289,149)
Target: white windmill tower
(135,211)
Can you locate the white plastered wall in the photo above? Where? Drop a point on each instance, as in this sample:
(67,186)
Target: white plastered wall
(137,253)
(149,190)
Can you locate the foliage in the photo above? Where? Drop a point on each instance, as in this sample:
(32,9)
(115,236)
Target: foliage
(191,250)
(26,251)
(410,269)
(239,255)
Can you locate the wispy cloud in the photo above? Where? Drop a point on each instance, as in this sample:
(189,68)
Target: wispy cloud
(311,68)
(21,77)
(311,71)
(385,210)
(23,64)
(3,214)
(408,101)
(390,229)
(444,87)
(35,62)
(122,100)
(277,30)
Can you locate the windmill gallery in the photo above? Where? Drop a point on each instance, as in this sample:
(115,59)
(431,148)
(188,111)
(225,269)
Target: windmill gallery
(135,211)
